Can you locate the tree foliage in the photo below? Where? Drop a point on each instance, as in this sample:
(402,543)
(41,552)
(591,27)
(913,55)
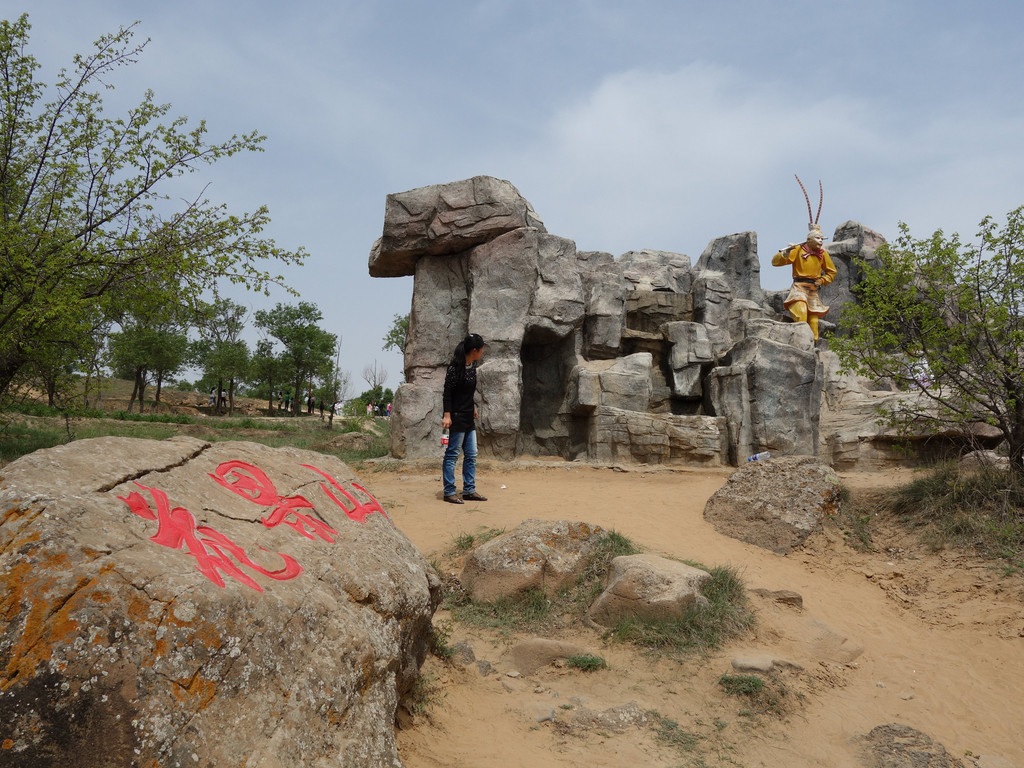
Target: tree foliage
(89,207)
(307,347)
(946,320)
(397,334)
(220,351)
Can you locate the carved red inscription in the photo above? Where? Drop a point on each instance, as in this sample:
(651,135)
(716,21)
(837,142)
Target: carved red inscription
(215,553)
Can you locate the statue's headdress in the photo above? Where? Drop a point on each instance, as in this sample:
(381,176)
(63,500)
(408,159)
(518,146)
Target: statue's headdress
(812,221)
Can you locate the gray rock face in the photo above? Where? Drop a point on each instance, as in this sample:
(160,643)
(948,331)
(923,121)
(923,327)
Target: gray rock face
(538,554)
(770,395)
(620,436)
(647,587)
(642,358)
(735,258)
(180,602)
(604,296)
(624,383)
(851,241)
(447,219)
(691,351)
(659,271)
(774,504)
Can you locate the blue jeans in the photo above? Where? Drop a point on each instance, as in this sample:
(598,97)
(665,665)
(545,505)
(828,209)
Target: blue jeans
(467,442)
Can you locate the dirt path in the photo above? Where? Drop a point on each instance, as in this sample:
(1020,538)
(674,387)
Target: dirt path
(933,641)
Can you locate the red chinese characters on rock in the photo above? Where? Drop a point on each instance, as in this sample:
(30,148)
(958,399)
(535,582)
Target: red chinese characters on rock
(252,483)
(178,528)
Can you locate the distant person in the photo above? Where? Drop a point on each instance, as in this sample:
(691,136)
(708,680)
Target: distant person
(389,410)
(321,409)
(460,414)
(213,396)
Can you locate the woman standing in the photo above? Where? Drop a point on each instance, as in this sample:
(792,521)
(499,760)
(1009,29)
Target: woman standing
(459,416)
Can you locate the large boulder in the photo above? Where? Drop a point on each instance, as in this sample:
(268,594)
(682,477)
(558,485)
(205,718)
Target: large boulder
(538,554)
(776,503)
(187,603)
(447,219)
(647,587)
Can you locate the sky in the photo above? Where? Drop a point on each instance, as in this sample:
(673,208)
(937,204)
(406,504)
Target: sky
(657,124)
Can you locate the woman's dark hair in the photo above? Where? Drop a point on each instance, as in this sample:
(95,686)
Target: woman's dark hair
(468,344)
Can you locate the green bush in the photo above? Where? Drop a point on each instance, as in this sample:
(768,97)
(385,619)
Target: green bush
(979,509)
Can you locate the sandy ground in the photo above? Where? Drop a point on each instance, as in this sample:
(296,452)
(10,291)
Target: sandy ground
(930,640)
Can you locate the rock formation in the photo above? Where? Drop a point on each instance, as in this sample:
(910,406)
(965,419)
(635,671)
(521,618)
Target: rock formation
(641,358)
(185,603)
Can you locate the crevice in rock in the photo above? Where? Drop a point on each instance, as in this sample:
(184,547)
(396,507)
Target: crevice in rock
(154,470)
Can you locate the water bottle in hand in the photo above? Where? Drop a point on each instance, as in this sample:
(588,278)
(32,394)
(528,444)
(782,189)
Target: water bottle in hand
(444,439)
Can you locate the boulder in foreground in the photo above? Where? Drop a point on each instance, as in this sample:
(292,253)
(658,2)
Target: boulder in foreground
(186,603)
(775,504)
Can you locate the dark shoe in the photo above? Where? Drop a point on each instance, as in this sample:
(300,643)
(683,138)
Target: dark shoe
(453,499)
(473,497)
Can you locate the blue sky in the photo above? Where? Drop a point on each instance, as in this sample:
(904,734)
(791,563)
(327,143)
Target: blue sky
(648,124)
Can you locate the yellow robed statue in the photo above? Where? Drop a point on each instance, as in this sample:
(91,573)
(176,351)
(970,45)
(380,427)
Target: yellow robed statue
(812,268)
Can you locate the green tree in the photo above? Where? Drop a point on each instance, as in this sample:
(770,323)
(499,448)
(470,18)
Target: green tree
(307,347)
(397,334)
(946,320)
(335,385)
(142,351)
(267,372)
(88,207)
(220,351)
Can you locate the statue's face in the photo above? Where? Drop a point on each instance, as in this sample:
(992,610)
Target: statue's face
(815,240)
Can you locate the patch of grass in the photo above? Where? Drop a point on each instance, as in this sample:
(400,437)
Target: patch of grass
(426,694)
(741,685)
(980,509)
(760,696)
(669,733)
(153,418)
(587,662)
(18,439)
(463,541)
(527,611)
(722,615)
(440,640)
